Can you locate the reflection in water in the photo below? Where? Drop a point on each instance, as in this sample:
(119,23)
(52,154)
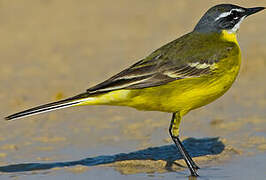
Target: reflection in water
(168,153)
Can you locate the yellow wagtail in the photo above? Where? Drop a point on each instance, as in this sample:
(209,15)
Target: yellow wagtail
(183,75)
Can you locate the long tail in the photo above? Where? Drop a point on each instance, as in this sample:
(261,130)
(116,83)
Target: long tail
(50,107)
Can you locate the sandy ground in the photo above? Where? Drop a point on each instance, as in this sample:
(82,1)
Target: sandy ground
(55,49)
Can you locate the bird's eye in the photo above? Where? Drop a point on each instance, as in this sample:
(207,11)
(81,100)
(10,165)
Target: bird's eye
(235,14)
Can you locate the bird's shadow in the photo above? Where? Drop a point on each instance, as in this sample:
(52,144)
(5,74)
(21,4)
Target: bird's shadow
(168,153)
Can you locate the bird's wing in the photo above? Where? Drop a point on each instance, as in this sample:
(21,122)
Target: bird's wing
(174,61)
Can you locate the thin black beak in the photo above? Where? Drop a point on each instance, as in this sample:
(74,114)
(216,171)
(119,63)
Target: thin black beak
(254,10)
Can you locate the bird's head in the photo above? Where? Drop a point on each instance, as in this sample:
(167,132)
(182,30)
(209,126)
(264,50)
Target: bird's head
(224,17)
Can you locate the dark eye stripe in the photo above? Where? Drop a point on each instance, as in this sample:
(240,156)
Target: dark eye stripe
(235,14)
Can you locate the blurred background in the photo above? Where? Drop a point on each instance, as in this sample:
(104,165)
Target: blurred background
(51,50)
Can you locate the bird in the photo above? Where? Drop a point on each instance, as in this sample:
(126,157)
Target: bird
(185,74)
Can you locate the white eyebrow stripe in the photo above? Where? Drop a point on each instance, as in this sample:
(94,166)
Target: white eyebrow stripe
(239,10)
(228,13)
(223,15)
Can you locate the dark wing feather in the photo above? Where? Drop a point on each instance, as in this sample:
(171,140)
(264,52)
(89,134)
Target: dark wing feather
(143,75)
(141,71)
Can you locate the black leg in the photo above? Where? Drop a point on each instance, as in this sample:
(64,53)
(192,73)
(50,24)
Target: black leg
(183,148)
(190,163)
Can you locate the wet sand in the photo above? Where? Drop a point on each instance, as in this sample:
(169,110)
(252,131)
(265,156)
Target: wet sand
(55,49)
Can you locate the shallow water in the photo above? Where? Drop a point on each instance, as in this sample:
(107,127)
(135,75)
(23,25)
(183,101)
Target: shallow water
(55,49)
